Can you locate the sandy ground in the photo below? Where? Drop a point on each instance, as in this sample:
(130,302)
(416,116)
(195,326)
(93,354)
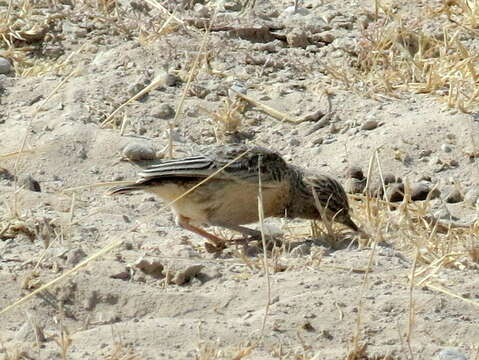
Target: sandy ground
(320,300)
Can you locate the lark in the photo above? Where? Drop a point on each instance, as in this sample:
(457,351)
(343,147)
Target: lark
(221,187)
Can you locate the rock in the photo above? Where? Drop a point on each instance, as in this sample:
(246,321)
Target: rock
(450,354)
(294,142)
(370,125)
(165,79)
(392,179)
(472,196)
(6,175)
(297,38)
(290,10)
(152,267)
(446,148)
(139,151)
(30,183)
(420,191)
(395,192)
(182,276)
(163,111)
(425,153)
(454,196)
(201,10)
(355,172)
(5,66)
(355,186)
(232,6)
(75,256)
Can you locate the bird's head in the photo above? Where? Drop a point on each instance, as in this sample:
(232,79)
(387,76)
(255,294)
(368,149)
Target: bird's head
(329,198)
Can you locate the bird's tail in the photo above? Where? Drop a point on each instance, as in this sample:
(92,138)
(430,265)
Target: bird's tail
(123,189)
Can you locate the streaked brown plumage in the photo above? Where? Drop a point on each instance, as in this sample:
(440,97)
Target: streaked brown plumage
(229,199)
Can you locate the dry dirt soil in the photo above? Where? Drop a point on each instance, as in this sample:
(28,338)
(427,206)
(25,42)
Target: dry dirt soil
(385,86)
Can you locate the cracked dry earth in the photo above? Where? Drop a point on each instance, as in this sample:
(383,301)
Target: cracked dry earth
(157,294)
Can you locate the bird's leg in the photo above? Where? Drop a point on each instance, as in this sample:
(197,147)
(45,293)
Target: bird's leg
(184,222)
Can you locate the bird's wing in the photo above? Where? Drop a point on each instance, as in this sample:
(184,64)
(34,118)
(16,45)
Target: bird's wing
(238,162)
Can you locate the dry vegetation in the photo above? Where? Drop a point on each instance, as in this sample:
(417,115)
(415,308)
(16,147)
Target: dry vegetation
(397,54)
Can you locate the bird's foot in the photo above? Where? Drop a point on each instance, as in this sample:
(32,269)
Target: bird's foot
(214,248)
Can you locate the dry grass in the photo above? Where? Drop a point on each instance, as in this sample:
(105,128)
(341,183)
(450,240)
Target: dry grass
(397,54)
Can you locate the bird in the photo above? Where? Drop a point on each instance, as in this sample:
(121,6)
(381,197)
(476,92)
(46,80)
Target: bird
(221,186)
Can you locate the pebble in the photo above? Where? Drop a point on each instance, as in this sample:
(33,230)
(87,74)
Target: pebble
(164,79)
(290,10)
(420,191)
(163,111)
(139,151)
(395,192)
(30,183)
(355,172)
(450,354)
(454,196)
(297,38)
(5,65)
(75,256)
(151,267)
(392,179)
(184,275)
(355,186)
(446,148)
(294,142)
(370,125)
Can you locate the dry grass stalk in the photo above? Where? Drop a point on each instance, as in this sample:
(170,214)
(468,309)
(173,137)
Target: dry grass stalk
(62,277)
(278,115)
(395,54)
(228,116)
(265,251)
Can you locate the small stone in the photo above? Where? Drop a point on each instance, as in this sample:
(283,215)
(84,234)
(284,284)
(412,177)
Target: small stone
(450,354)
(294,142)
(355,172)
(454,163)
(166,79)
(202,10)
(370,125)
(30,183)
(446,148)
(291,10)
(425,178)
(454,196)
(395,192)
(163,111)
(139,151)
(232,5)
(183,276)
(355,186)
(6,175)
(152,267)
(297,38)
(5,65)
(392,179)
(425,153)
(420,191)
(75,256)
